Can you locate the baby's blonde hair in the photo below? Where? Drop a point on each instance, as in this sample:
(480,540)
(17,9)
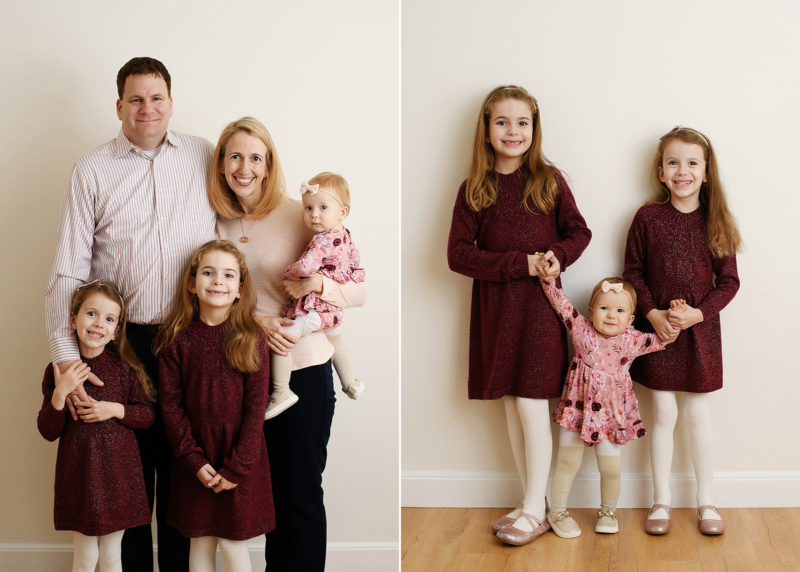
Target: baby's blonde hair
(333,183)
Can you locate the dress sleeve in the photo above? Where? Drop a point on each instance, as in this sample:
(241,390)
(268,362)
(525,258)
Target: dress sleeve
(50,421)
(572,230)
(356,272)
(173,412)
(72,263)
(644,343)
(310,262)
(726,284)
(245,451)
(573,320)
(139,412)
(464,257)
(635,261)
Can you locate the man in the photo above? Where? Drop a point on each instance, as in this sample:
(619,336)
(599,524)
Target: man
(134,211)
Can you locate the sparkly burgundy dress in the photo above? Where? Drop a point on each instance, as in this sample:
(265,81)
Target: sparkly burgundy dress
(99,485)
(666,258)
(215,415)
(517,344)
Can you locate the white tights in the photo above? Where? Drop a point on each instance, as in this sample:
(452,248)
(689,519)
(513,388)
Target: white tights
(203,554)
(528,423)
(103,551)
(694,407)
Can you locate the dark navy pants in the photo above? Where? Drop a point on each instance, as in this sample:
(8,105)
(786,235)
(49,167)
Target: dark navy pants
(137,543)
(297,442)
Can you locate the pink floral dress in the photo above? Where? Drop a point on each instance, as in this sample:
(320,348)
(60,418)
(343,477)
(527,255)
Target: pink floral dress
(332,254)
(598,400)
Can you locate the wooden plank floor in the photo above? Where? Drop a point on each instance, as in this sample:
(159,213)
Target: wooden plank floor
(459,539)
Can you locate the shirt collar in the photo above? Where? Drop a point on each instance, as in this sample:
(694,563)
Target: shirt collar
(123,145)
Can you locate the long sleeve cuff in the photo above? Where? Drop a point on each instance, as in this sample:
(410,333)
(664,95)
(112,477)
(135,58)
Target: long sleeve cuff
(64,349)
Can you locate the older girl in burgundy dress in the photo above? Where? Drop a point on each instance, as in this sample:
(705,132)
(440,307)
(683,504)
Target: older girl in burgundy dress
(99,486)
(515,220)
(681,258)
(213,382)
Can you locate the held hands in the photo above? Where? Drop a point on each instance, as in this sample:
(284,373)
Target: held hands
(279,340)
(211,479)
(299,288)
(68,376)
(95,411)
(681,315)
(660,321)
(545,266)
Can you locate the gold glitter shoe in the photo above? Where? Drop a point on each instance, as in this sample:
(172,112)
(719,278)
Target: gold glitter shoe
(513,535)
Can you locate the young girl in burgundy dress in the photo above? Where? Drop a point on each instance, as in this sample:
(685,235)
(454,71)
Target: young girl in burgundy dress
(514,206)
(682,248)
(331,253)
(598,406)
(213,383)
(99,485)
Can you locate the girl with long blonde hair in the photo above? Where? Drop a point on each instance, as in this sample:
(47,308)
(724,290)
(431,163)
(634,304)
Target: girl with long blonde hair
(515,221)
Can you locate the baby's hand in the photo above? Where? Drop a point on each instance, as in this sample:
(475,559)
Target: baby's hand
(677,305)
(683,316)
(662,326)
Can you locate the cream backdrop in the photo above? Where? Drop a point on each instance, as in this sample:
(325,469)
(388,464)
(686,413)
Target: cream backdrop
(610,78)
(323,77)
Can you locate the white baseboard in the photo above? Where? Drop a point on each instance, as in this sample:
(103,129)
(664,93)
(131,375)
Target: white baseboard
(342,557)
(491,489)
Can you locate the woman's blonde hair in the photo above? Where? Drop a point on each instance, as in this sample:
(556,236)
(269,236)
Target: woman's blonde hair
(541,186)
(120,345)
(723,234)
(242,331)
(221,197)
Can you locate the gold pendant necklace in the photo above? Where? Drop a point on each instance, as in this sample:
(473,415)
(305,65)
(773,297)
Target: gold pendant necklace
(244,239)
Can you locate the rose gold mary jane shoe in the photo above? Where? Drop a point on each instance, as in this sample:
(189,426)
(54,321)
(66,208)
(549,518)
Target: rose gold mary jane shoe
(504,521)
(710,526)
(513,535)
(658,526)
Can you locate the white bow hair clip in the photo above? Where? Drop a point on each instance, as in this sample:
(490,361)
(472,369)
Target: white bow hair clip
(607,286)
(306,188)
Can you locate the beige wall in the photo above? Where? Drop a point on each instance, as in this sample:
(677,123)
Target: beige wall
(610,77)
(323,77)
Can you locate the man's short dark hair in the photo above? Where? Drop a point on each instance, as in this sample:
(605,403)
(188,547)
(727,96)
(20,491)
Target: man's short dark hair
(143,66)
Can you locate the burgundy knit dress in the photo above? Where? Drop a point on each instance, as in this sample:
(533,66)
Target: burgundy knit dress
(517,344)
(214,415)
(667,258)
(99,485)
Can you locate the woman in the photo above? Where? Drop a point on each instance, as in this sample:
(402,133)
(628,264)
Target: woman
(246,188)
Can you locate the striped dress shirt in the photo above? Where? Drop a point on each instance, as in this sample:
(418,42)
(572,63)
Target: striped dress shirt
(134,221)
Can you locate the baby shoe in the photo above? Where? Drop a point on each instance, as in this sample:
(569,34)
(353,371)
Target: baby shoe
(606,522)
(279,402)
(355,389)
(564,525)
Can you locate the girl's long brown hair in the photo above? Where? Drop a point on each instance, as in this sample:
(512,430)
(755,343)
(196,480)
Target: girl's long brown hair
(723,234)
(541,187)
(242,331)
(120,346)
